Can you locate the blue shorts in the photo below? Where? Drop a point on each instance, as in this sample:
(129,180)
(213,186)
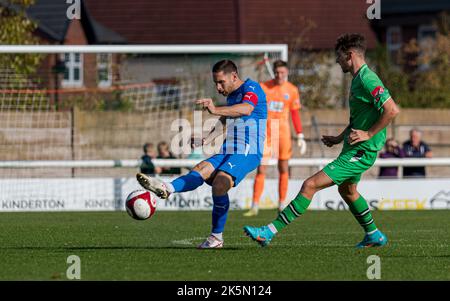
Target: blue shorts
(236,165)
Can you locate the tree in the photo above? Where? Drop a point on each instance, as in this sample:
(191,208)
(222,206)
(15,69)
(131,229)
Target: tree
(17,29)
(310,69)
(421,78)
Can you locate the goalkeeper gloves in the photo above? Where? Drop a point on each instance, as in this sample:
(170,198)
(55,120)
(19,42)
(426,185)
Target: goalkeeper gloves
(301,143)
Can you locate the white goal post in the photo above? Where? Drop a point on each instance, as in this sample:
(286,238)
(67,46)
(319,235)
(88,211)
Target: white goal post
(37,112)
(282,49)
(150,49)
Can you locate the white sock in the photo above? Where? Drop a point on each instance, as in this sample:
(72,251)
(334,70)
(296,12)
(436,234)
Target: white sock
(217,235)
(372,232)
(169,187)
(272,228)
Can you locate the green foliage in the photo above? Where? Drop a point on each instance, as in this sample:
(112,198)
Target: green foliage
(310,69)
(95,102)
(118,102)
(420,79)
(17,29)
(82,102)
(311,72)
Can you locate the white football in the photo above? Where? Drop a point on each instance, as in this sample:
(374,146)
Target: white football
(141,204)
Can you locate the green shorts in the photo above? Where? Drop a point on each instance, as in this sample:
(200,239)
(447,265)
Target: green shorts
(350,165)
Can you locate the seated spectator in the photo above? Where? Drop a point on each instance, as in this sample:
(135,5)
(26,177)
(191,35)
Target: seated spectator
(392,150)
(415,148)
(147,167)
(164,153)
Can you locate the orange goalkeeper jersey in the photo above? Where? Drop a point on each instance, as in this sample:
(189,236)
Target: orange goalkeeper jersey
(281,99)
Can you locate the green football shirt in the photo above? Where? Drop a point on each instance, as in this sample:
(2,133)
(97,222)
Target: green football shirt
(367,97)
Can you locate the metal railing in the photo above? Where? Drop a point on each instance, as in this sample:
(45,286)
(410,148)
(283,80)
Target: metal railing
(310,162)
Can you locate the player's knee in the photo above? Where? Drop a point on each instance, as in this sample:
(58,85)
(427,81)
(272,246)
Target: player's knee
(309,186)
(221,184)
(204,169)
(261,170)
(343,191)
(347,191)
(283,166)
(283,169)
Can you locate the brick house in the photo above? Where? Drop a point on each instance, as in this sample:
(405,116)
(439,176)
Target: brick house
(266,21)
(229,22)
(213,22)
(81,70)
(232,22)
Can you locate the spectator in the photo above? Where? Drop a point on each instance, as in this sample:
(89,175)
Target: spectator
(164,153)
(415,148)
(392,150)
(147,166)
(197,150)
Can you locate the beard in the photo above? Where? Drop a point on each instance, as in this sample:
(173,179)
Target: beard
(345,69)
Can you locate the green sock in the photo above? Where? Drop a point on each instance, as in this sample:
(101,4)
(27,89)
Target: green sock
(295,208)
(361,211)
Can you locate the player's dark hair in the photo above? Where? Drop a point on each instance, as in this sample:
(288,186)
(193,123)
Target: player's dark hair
(279,63)
(349,41)
(147,146)
(227,66)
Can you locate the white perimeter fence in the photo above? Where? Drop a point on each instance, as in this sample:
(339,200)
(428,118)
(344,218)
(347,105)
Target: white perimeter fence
(108,194)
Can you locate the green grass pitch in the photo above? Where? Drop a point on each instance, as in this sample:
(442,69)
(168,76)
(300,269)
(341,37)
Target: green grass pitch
(317,246)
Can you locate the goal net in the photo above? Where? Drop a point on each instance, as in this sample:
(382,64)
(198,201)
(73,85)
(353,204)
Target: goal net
(68,123)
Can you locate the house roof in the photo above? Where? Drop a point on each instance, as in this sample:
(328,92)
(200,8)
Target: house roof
(104,35)
(50,17)
(52,22)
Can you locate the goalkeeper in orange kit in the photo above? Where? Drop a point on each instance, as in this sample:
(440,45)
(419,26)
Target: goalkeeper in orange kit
(283,101)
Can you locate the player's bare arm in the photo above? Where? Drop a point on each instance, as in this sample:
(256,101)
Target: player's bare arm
(237,110)
(333,140)
(216,131)
(390,111)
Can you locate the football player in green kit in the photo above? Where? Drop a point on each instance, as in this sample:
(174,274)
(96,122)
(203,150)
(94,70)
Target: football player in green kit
(371,110)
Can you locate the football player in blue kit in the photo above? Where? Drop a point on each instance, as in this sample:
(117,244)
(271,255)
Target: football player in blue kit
(245,117)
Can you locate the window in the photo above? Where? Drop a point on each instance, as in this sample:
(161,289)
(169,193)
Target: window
(426,33)
(104,69)
(394,42)
(426,37)
(73,75)
(169,94)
